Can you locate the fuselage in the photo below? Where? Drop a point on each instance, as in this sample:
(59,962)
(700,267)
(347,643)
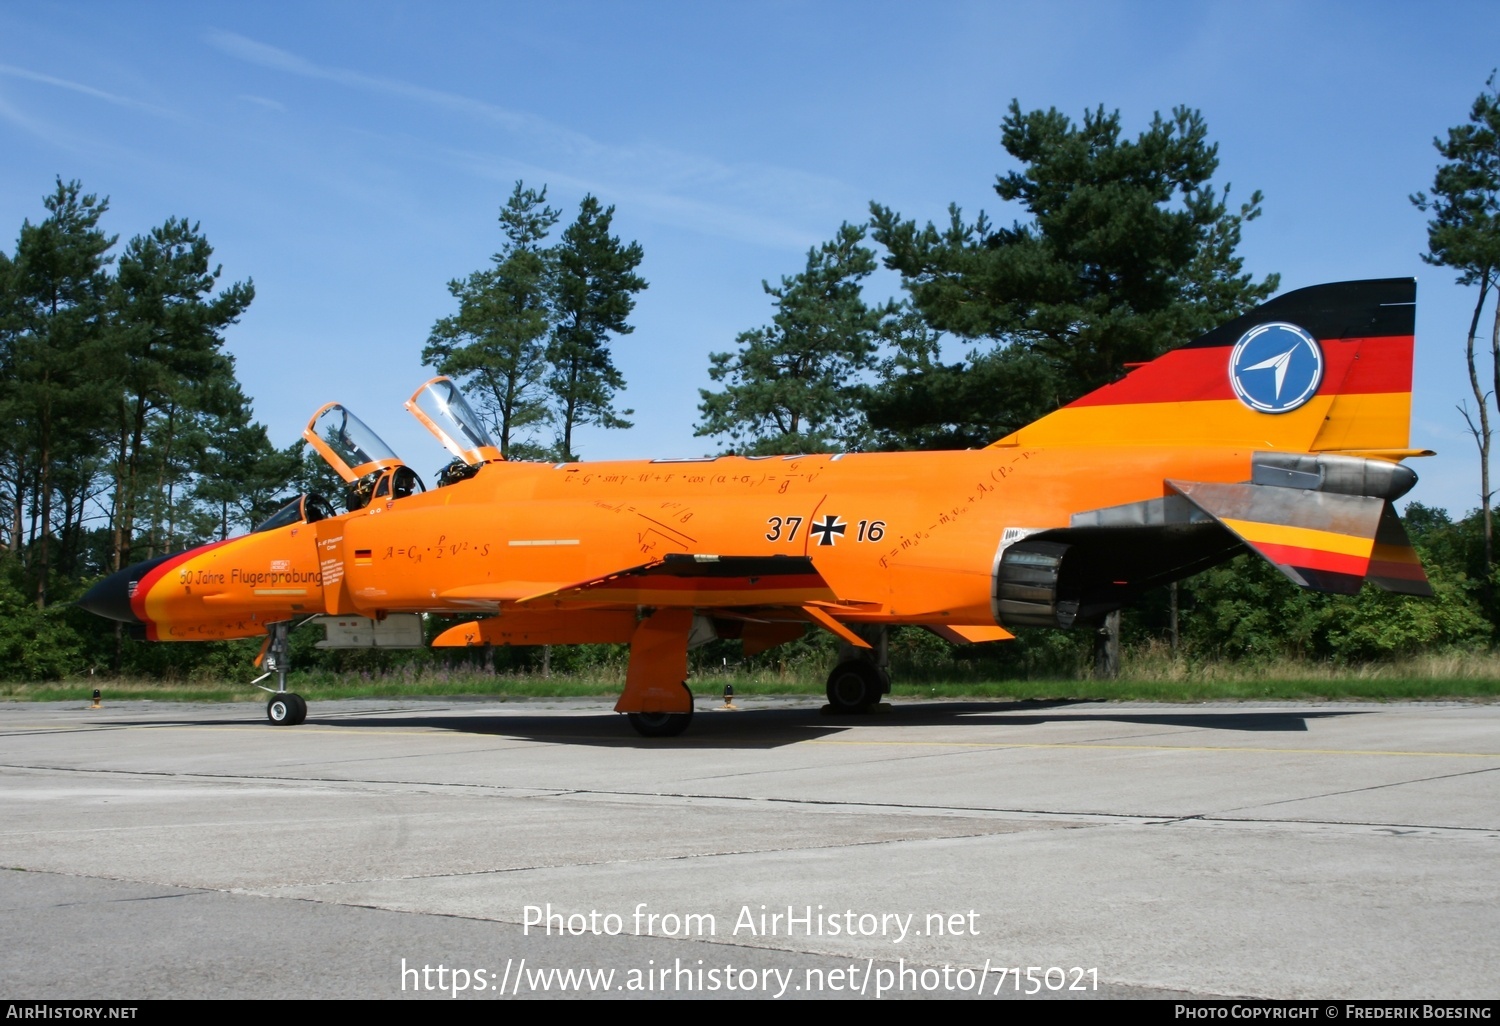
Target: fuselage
(900,537)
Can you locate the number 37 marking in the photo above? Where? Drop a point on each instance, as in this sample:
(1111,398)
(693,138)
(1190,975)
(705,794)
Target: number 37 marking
(777,523)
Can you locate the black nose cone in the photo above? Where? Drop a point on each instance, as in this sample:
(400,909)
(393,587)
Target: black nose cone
(110,598)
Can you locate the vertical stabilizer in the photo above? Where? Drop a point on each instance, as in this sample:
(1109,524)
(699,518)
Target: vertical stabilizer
(1321,369)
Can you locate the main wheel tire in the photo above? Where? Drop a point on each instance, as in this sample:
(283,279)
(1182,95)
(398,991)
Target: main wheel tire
(662,724)
(854,686)
(301,711)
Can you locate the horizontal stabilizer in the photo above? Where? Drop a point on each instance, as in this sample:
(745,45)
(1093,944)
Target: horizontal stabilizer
(1395,565)
(1320,540)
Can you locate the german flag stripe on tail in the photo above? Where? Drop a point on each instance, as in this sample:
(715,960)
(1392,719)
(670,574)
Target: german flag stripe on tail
(1319,540)
(1321,369)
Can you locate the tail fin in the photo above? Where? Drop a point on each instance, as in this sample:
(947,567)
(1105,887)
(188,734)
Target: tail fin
(1321,369)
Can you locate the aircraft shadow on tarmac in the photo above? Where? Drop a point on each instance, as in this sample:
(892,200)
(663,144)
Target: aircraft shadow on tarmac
(751,728)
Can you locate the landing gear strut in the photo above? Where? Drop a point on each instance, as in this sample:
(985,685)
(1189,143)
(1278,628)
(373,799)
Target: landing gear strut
(284,709)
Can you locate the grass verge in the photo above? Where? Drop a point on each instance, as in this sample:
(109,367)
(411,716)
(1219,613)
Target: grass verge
(1152,677)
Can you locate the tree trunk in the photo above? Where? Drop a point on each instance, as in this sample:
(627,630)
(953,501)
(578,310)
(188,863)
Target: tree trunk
(1174,618)
(1481,433)
(43,556)
(1107,647)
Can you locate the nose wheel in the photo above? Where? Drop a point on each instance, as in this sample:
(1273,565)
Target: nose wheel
(286,709)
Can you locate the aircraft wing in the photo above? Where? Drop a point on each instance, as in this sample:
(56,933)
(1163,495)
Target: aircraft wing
(603,608)
(678,579)
(699,582)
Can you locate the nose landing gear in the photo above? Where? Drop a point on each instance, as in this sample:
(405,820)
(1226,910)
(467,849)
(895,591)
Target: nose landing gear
(285,709)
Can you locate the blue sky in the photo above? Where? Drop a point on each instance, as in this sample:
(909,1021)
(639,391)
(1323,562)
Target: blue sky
(351,157)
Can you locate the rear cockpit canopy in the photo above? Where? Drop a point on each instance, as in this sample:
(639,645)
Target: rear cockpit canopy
(441,408)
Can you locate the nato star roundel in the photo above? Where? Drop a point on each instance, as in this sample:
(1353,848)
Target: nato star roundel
(1275,367)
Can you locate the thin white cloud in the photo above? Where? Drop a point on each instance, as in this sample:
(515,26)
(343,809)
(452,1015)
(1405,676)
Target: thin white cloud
(85,90)
(704,216)
(261,101)
(748,202)
(276,59)
(30,125)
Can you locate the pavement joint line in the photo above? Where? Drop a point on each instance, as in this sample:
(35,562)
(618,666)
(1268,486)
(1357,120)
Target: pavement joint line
(30,731)
(683,857)
(556,740)
(873,842)
(1083,818)
(1160,748)
(185,892)
(1371,787)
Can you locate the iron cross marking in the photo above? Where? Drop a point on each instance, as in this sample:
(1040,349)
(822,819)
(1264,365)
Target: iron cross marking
(827,529)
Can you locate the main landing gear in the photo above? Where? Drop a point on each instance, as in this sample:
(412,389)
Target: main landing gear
(656,695)
(658,701)
(860,680)
(856,686)
(285,709)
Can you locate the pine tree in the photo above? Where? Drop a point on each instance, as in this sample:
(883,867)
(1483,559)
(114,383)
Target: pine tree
(495,345)
(1464,234)
(167,333)
(594,294)
(793,385)
(51,323)
(1129,251)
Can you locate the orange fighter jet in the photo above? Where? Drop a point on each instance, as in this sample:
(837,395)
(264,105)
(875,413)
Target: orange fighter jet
(1280,432)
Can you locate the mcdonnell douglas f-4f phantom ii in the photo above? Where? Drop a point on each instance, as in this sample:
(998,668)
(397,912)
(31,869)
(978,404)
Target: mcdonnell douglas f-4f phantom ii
(1281,432)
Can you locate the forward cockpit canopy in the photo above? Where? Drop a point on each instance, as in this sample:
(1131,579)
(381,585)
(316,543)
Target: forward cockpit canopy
(358,455)
(307,508)
(347,445)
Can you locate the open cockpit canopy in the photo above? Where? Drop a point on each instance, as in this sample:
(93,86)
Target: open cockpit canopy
(347,445)
(358,455)
(441,408)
